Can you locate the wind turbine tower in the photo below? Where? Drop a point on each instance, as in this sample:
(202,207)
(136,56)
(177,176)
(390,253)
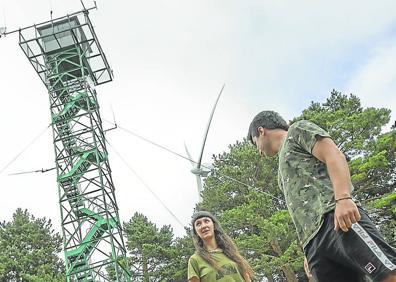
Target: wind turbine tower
(68,58)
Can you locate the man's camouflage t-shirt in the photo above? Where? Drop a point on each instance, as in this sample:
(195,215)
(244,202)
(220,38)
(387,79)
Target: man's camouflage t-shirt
(198,267)
(304,179)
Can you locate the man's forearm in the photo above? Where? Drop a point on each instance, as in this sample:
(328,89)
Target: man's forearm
(338,170)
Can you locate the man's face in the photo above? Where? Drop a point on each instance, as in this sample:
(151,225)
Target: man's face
(262,142)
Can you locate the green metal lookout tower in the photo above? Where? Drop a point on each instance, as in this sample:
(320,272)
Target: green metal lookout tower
(67,56)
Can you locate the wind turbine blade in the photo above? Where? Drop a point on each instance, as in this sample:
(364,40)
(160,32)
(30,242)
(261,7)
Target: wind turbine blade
(189,155)
(208,126)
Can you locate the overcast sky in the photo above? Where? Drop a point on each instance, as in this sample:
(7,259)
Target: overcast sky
(170,59)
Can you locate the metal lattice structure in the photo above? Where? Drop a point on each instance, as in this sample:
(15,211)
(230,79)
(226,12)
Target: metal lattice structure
(69,60)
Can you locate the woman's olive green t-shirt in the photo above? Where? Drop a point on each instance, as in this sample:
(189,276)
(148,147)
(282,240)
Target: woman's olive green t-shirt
(198,267)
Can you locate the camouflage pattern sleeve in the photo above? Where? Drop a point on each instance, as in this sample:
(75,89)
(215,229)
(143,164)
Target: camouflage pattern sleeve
(306,134)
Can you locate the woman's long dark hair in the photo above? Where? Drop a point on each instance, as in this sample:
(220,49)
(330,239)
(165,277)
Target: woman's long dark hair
(225,243)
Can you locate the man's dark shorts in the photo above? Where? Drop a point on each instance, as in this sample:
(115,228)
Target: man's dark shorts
(349,256)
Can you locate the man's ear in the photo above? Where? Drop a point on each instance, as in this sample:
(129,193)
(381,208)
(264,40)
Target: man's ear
(261,130)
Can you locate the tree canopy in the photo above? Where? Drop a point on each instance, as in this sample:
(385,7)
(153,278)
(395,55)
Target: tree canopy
(29,249)
(155,255)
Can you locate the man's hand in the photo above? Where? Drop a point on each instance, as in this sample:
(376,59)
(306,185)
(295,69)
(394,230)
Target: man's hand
(346,213)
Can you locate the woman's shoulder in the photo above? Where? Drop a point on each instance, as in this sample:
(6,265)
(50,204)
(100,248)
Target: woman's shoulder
(195,257)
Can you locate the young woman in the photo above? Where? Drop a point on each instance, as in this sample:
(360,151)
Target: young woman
(216,257)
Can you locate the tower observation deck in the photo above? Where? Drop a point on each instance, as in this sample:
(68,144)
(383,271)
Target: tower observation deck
(69,60)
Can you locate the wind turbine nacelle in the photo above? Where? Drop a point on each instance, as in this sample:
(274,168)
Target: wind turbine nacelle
(202,171)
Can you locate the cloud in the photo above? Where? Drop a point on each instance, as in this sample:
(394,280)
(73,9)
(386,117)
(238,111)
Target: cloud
(374,81)
(170,59)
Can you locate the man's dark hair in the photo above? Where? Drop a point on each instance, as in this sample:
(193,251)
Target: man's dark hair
(266,119)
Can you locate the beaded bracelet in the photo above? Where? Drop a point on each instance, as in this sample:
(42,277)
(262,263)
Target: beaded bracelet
(344,198)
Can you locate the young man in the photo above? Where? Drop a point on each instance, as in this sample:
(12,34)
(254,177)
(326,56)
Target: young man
(339,240)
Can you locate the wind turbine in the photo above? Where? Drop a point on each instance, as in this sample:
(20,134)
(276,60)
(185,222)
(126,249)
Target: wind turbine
(202,170)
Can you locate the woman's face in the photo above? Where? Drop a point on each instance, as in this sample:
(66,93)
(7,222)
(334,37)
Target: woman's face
(204,227)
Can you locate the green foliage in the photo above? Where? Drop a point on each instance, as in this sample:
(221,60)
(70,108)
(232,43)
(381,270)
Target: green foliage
(373,173)
(29,250)
(351,126)
(43,277)
(184,248)
(154,254)
(384,210)
(236,174)
(388,202)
